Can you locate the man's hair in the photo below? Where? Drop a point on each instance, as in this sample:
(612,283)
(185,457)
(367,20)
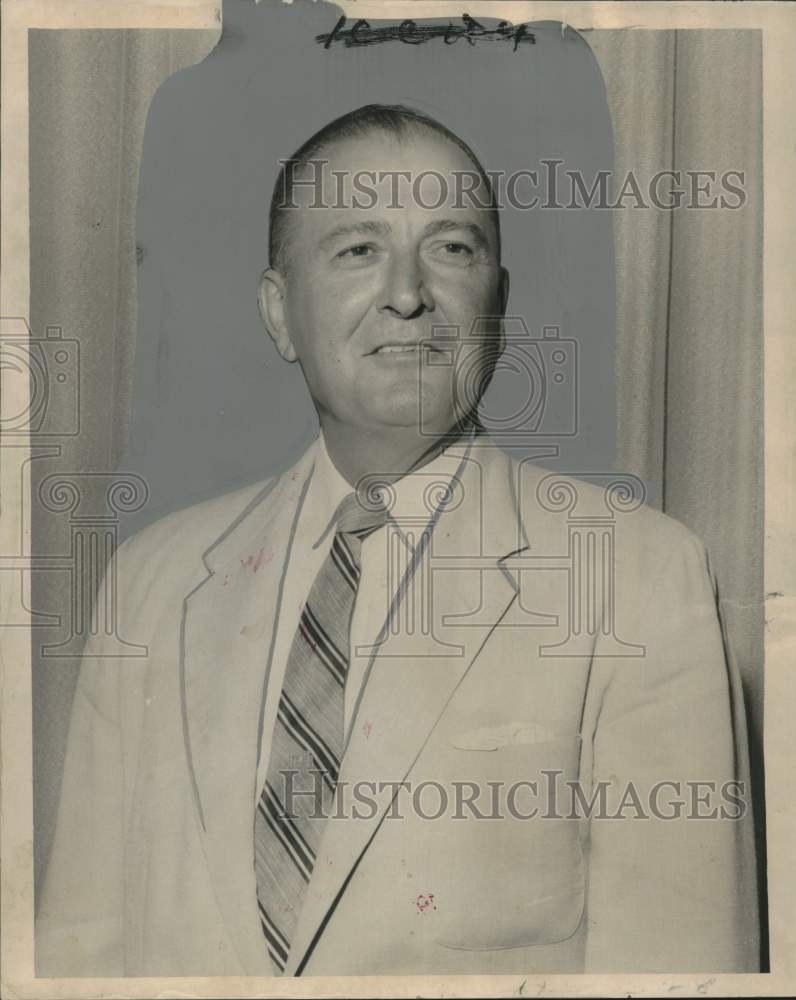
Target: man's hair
(391,119)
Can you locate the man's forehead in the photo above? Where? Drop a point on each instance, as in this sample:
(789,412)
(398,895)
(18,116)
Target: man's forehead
(373,175)
(377,148)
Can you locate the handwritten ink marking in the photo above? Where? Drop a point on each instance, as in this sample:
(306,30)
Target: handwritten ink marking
(328,39)
(425,901)
(255,562)
(409,32)
(367,729)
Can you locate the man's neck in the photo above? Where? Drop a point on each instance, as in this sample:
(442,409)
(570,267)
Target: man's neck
(389,455)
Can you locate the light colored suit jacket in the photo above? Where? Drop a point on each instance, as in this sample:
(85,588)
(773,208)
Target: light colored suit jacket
(523,673)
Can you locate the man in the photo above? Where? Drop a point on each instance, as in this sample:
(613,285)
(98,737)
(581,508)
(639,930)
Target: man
(373,681)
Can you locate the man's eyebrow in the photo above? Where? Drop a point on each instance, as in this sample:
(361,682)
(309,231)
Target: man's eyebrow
(364,228)
(449,225)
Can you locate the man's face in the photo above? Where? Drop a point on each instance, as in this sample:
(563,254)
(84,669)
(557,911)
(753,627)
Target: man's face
(366,284)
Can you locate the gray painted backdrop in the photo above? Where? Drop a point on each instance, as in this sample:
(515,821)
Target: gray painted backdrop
(213,404)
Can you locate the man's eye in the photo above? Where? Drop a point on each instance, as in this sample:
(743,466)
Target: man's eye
(453,252)
(360,250)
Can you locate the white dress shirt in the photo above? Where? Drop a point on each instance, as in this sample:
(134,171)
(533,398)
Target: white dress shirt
(413,510)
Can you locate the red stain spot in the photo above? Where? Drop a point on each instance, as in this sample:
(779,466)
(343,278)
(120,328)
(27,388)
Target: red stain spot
(255,562)
(366,729)
(425,901)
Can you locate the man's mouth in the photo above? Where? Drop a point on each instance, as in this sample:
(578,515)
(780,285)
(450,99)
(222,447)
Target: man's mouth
(411,348)
(397,349)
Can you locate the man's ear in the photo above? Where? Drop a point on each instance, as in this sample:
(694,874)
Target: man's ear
(503,289)
(271,301)
(503,300)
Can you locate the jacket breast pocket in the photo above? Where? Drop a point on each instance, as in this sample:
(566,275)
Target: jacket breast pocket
(514,870)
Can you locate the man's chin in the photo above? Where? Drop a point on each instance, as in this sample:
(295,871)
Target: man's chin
(405,413)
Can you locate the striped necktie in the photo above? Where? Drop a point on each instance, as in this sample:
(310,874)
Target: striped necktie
(307,744)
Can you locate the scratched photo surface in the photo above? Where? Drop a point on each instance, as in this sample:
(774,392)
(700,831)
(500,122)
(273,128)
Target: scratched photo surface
(396,497)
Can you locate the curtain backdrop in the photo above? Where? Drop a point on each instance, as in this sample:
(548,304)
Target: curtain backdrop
(89,91)
(689,297)
(690,317)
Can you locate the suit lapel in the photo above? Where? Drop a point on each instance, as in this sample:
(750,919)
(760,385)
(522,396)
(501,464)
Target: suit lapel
(412,678)
(228,627)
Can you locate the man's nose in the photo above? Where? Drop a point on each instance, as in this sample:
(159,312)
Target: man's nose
(405,291)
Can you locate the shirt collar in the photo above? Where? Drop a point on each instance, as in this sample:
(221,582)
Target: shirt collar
(327,491)
(415,499)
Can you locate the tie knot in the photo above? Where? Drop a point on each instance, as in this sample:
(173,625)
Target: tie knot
(361,513)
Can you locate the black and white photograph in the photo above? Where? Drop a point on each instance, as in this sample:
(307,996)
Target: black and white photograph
(398,490)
